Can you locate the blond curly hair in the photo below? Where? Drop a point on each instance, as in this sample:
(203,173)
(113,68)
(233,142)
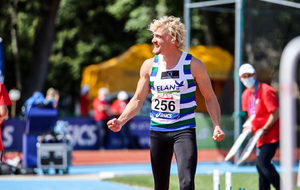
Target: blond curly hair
(177,31)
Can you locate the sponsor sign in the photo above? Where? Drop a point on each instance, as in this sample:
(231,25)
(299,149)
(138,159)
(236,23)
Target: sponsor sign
(83,131)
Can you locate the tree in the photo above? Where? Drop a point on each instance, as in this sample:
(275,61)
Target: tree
(45,31)
(23,15)
(141,13)
(14,41)
(87,32)
(56,39)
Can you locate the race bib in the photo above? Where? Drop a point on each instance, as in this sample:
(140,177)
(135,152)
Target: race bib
(166,105)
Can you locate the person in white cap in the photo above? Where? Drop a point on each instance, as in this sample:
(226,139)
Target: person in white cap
(119,105)
(260,102)
(117,109)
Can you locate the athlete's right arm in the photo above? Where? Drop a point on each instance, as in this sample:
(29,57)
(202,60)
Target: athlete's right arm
(136,102)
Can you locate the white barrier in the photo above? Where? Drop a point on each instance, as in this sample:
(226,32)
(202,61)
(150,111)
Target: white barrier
(228,181)
(287,75)
(216,180)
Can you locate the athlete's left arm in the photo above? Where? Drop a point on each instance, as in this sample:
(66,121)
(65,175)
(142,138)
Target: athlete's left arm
(200,75)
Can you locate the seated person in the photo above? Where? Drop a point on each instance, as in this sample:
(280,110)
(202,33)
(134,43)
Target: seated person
(38,100)
(52,98)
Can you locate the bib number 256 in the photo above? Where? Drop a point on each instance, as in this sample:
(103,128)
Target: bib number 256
(164,105)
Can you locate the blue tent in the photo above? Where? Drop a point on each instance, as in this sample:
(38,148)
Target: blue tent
(1,62)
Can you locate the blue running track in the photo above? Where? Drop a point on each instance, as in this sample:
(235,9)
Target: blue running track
(88,177)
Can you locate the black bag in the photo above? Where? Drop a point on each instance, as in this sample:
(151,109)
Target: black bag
(6,169)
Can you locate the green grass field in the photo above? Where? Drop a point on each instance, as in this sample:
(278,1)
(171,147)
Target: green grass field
(202,182)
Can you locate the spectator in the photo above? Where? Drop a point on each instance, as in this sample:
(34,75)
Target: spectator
(36,99)
(260,101)
(101,116)
(119,105)
(56,98)
(52,98)
(117,109)
(84,100)
(39,100)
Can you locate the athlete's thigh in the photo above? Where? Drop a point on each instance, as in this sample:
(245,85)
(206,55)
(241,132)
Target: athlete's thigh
(185,148)
(161,151)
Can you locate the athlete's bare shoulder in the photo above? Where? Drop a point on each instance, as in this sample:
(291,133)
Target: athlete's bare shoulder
(197,67)
(149,61)
(147,67)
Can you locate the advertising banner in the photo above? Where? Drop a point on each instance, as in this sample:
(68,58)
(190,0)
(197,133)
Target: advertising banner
(12,135)
(83,132)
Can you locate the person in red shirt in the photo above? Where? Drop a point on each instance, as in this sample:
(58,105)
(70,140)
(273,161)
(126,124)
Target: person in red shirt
(84,100)
(101,116)
(262,106)
(119,105)
(4,102)
(117,109)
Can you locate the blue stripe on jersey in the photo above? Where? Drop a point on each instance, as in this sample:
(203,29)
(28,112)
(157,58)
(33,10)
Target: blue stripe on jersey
(156,59)
(187,71)
(188,126)
(191,85)
(185,114)
(187,100)
(153,73)
(188,57)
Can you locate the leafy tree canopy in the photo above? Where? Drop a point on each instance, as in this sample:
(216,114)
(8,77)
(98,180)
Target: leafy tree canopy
(89,32)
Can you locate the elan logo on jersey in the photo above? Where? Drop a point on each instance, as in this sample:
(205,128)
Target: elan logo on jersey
(166,87)
(176,86)
(165,96)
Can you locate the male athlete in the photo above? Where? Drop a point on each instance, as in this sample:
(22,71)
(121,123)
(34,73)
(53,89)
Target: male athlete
(173,76)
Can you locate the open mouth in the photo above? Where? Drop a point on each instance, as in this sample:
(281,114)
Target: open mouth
(156,45)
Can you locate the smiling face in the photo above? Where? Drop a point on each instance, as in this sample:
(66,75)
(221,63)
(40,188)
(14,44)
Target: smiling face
(160,40)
